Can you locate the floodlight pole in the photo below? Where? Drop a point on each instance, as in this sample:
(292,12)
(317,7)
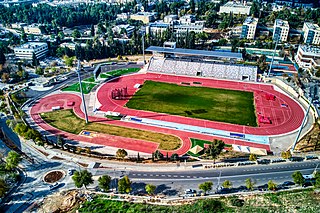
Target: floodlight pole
(274,52)
(144,58)
(81,91)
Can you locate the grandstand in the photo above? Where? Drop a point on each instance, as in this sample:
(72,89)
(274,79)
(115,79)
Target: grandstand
(221,65)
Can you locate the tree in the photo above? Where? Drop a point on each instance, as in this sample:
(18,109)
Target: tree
(82,178)
(12,160)
(2,57)
(76,34)
(92,30)
(298,178)
(206,186)
(35,61)
(174,157)
(252,157)
(39,71)
(317,177)
(227,184)
(150,189)
(104,182)
(5,77)
(250,184)
(192,5)
(121,153)
(3,188)
(158,155)
(286,154)
(124,185)
(60,141)
(215,149)
(271,185)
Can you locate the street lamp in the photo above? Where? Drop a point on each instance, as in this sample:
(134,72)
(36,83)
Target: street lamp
(277,38)
(81,91)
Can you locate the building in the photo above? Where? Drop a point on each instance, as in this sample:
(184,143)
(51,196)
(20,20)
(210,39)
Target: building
(145,17)
(123,28)
(280,30)
(157,28)
(123,16)
(297,3)
(311,33)
(187,23)
(249,28)
(26,51)
(170,18)
(308,57)
(235,8)
(32,29)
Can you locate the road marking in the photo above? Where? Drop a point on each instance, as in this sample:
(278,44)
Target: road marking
(133,174)
(175,175)
(181,176)
(157,175)
(139,174)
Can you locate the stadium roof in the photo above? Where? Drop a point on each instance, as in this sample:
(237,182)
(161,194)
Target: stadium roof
(218,54)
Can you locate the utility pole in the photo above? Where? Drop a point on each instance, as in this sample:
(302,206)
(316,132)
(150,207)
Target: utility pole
(81,91)
(144,58)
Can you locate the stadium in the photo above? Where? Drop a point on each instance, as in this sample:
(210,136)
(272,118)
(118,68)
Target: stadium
(180,97)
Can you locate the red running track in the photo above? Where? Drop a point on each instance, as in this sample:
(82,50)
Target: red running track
(46,104)
(284,119)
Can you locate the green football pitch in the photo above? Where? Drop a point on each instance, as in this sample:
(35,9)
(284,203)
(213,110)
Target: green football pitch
(229,106)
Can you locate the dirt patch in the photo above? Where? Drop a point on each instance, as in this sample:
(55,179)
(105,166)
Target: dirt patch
(53,176)
(311,141)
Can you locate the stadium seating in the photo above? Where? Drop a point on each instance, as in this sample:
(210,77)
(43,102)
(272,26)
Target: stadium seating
(206,68)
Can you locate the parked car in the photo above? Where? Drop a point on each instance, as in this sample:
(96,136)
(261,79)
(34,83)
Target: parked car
(54,186)
(296,159)
(71,171)
(288,183)
(263,161)
(311,157)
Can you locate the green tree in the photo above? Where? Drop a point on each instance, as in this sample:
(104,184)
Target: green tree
(250,184)
(104,182)
(12,160)
(298,178)
(121,153)
(286,154)
(2,57)
(174,157)
(35,61)
(76,34)
(158,155)
(215,149)
(150,189)
(3,188)
(124,185)
(317,177)
(227,184)
(271,185)
(252,157)
(192,5)
(82,178)
(206,186)
(39,71)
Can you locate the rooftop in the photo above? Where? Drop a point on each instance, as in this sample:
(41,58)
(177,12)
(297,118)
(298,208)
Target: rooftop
(32,45)
(250,20)
(310,49)
(312,26)
(145,14)
(182,51)
(236,4)
(281,23)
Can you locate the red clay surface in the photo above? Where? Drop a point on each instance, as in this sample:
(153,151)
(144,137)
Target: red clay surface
(284,119)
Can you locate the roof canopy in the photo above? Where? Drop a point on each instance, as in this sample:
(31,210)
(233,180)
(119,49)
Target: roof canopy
(181,51)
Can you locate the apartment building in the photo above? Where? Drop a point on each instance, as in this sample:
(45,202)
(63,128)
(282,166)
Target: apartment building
(311,33)
(249,28)
(281,30)
(26,51)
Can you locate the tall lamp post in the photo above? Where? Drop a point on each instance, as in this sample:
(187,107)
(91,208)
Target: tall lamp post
(81,91)
(274,52)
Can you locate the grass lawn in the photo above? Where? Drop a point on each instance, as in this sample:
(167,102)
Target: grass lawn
(201,143)
(86,87)
(119,72)
(229,106)
(67,121)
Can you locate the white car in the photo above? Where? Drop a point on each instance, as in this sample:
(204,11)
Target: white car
(71,171)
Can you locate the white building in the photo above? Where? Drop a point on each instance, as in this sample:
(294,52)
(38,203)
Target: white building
(311,33)
(280,30)
(26,51)
(235,8)
(123,27)
(157,28)
(308,57)
(249,28)
(170,18)
(145,17)
(123,16)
